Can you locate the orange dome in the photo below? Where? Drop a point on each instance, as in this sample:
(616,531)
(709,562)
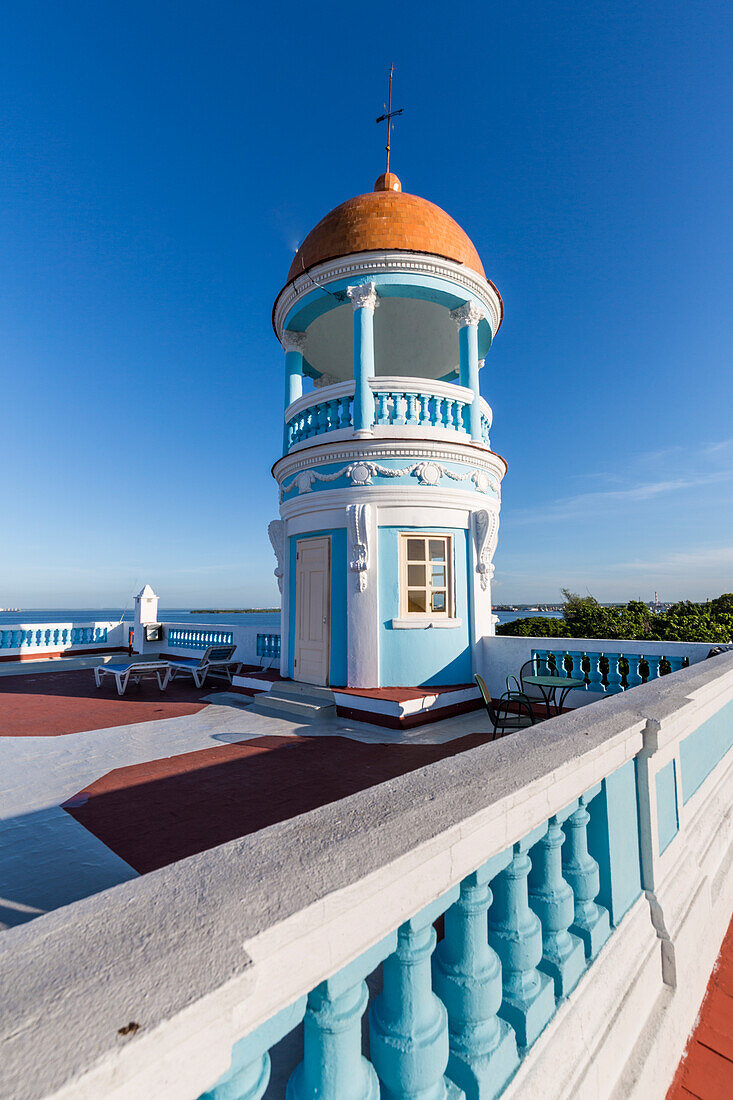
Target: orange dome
(384,220)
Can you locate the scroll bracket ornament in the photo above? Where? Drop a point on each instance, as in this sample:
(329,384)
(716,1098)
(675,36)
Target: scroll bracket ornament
(485,533)
(357,520)
(276,531)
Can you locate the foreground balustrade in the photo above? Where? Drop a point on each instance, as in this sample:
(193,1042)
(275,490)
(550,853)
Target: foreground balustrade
(605,673)
(398,402)
(473,898)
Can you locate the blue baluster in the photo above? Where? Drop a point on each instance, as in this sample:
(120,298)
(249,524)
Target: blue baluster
(249,1074)
(595,676)
(467,978)
(576,671)
(633,676)
(551,898)
(591,921)
(400,407)
(333,1067)
(515,934)
(449,405)
(653,663)
(438,412)
(425,418)
(408,1025)
(613,676)
(411,415)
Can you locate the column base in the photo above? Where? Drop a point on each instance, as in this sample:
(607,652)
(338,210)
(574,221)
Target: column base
(593,933)
(486,1075)
(565,969)
(363,433)
(528,1015)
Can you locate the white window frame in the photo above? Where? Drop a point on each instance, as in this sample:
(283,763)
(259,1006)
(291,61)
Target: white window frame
(428,618)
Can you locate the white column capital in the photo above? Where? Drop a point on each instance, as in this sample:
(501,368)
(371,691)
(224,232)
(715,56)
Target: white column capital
(294,341)
(364,296)
(468,314)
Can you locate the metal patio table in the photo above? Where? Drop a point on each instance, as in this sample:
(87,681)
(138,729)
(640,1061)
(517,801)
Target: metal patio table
(549,685)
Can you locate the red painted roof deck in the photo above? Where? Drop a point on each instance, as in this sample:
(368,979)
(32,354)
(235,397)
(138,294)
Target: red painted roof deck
(706,1069)
(51,704)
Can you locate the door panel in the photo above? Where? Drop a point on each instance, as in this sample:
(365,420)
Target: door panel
(313,610)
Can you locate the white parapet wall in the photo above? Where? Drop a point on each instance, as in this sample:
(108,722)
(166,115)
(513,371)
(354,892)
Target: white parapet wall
(146,988)
(36,641)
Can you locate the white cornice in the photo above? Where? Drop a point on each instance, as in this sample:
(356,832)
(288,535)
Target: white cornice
(454,500)
(376,263)
(375,450)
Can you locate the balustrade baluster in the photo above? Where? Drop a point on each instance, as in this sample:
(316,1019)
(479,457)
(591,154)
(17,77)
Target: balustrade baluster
(425,420)
(438,411)
(515,933)
(595,676)
(408,1024)
(613,676)
(412,417)
(345,414)
(591,921)
(653,664)
(551,898)
(249,1074)
(382,399)
(633,676)
(576,671)
(467,978)
(321,420)
(400,407)
(449,404)
(333,1067)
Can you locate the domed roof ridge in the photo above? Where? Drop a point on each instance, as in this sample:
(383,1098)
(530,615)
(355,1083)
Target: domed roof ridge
(387,219)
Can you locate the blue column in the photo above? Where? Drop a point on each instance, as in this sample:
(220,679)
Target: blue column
(249,1074)
(293,343)
(591,922)
(467,978)
(467,319)
(515,934)
(333,1067)
(551,898)
(408,1025)
(364,300)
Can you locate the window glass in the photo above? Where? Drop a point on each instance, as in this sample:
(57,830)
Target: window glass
(416,600)
(426,575)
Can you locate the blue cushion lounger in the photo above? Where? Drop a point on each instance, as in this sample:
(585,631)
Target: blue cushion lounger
(135,672)
(217,658)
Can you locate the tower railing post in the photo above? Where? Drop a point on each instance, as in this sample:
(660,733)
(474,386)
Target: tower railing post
(467,318)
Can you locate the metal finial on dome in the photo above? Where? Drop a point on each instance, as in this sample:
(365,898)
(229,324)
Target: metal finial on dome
(388,181)
(387,117)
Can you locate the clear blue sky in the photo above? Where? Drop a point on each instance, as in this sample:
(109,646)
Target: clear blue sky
(160,163)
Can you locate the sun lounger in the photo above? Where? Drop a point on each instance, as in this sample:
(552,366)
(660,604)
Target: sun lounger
(135,672)
(217,658)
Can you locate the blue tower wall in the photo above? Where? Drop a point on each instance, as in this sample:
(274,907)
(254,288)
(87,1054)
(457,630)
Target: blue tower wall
(434,656)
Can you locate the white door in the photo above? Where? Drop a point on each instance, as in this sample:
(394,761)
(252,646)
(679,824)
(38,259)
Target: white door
(313,610)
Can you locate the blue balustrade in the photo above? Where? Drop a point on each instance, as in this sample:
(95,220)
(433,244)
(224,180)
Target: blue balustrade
(455,1016)
(398,407)
(183,638)
(268,645)
(52,638)
(605,673)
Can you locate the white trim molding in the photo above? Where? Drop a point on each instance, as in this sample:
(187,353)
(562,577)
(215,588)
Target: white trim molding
(423,622)
(379,263)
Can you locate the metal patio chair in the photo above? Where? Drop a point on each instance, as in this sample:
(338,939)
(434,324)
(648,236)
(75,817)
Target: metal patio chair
(502,718)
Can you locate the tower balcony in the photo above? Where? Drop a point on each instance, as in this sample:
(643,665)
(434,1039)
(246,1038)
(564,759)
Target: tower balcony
(403,408)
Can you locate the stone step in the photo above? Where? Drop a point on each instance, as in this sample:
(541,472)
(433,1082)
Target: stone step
(294,688)
(293,705)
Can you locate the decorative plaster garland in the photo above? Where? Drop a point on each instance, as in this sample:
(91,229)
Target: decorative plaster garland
(357,521)
(362,472)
